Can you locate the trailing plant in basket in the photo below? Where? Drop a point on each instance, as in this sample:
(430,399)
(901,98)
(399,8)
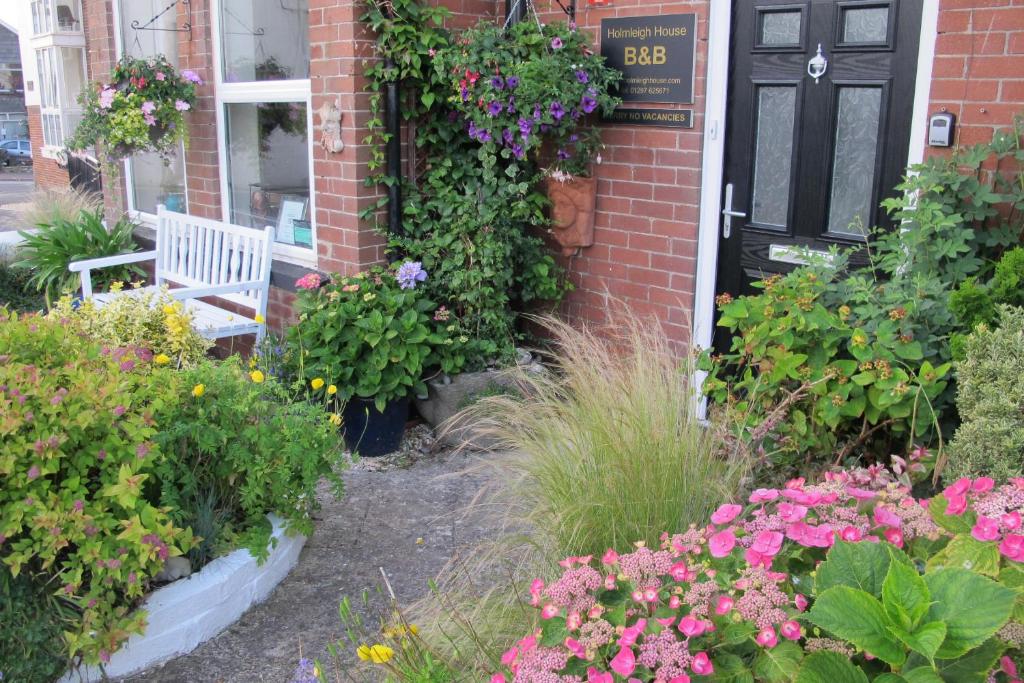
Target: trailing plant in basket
(526,87)
(368,336)
(141,109)
(844,581)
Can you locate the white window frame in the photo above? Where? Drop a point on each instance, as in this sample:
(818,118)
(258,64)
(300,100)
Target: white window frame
(44,17)
(53,104)
(143,217)
(255,92)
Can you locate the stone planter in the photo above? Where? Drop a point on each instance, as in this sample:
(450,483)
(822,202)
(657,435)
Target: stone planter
(446,398)
(572,212)
(190,611)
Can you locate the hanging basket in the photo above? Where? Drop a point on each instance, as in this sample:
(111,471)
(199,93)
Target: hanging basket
(573,203)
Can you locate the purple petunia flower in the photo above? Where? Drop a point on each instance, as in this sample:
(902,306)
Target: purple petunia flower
(507,136)
(484,135)
(563,155)
(409,273)
(511,108)
(536,112)
(494,108)
(588,104)
(498,83)
(512,82)
(192,76)
(472,130)
(465,94)
(574,137)
(544,128)
(518,151)
(582,76)
(556,43)
(557,110)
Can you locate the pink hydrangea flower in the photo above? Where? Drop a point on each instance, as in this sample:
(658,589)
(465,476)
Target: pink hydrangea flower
(800,601)
(1012,547)
(624,663)
(790,630)
(691,627)
(763,495)
(985,529)
(767,637)
(701,664)
(726,513)
(724,604)
(722,543)
(308,281)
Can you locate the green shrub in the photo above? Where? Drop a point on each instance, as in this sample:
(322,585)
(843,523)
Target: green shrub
(990,441)
(975,303)
(150,320)
(48,252)
(16,292)
(238,451)
(369,336)
(76,451)
(31,630)
(855,359)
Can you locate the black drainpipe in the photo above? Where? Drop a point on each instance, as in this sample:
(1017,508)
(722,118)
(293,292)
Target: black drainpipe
(393,154)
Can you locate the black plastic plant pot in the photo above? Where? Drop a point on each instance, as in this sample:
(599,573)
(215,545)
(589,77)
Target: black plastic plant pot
(372,433)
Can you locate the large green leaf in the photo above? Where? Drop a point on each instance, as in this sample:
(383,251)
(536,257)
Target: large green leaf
(905,595)
(966,552)
(890,678)
(829,667)
(923,674)
(974,666)
(857,565)
(858,617)
(972,606)
(778,664)
(926,640)
(730,668)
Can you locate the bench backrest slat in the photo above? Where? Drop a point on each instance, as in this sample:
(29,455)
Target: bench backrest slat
(199,252)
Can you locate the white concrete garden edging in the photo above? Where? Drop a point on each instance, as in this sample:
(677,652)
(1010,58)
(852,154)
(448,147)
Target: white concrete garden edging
(190,611)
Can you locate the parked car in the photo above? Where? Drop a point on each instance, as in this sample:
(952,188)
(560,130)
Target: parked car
(17,152)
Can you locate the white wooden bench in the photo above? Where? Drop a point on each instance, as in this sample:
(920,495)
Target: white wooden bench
(199,257)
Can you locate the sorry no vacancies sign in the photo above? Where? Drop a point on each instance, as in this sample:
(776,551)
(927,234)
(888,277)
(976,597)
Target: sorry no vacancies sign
(655,55)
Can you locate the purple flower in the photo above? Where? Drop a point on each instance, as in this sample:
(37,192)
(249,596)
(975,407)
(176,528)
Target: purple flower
(507,136)
(511,108)
(574,137)
(181,105)
(119,411)
(484,135)
(465,94)
(107,98)
(79,505)
(563,155)
(128,366)
(304,672)
(192,76)
(494,108)
(102,455)
(588,104)
(518,151)
(150,119)
(409,273)
(33,472)
(498,83)
(536,112)
(556,43)
(148,107)
(142,450)
(557,110)
(512,82)
(582,76)
(525,127)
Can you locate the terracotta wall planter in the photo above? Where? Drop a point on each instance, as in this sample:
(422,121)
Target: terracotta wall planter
(572,212)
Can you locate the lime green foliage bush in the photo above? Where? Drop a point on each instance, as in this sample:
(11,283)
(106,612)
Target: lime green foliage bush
(48,252)
(834,358)
(16,290)
(990,398)
(975,303)
(77,448)
(369,336)
(31,629)
(239,450)
(469,213)
(149,320)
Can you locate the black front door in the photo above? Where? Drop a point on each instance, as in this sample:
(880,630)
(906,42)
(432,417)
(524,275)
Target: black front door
(809,159)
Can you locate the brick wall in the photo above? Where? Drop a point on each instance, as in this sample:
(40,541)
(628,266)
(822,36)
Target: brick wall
(48,174)
(648,200)
(978,73)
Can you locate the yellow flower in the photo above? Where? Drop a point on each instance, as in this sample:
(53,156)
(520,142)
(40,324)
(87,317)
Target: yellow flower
(260,319)
(256,376)
(252,362)
(136,284)
(378,654)
(335,419)
(116,286)
(198,390)
(317,383)
(332,390)
(161,359)
(168,309)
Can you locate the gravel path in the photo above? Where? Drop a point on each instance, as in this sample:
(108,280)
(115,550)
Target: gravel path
(407,519)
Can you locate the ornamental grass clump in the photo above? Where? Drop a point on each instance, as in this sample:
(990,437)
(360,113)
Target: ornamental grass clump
(839,581)
(603,449)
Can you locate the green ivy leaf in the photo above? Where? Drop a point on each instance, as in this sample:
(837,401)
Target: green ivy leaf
(829,667)
(972,606)
(858,617)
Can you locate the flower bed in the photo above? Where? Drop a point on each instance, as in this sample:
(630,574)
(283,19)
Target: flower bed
(844,580)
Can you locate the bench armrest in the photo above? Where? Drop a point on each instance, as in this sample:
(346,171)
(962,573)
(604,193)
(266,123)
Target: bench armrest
(85,265)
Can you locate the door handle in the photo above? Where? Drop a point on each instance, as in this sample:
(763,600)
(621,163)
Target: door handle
(729,213)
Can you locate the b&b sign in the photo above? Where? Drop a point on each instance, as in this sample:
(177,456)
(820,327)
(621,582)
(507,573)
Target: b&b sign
(654,54)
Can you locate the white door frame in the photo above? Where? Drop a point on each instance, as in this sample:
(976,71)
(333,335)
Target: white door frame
(713,155)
